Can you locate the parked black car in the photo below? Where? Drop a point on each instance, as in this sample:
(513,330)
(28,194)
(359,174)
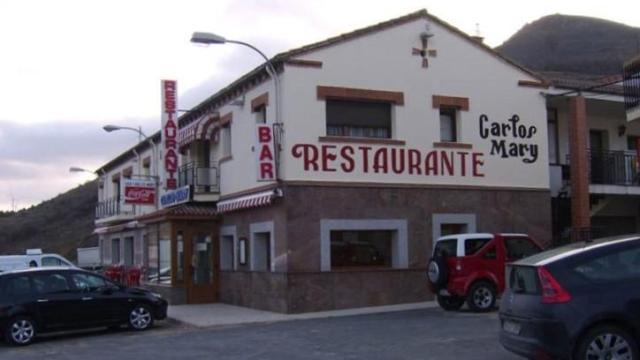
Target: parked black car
(580,301)
(52,299)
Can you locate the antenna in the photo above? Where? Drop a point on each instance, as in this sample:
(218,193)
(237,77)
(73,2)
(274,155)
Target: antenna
(478,36)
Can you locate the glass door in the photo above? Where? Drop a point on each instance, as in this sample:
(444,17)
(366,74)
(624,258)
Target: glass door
(202,277)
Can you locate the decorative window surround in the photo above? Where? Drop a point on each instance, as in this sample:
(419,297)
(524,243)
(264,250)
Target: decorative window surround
(439,219)
(399,243)
(460,103)
(262,227)
(332,92)
(230,230)
(260,101)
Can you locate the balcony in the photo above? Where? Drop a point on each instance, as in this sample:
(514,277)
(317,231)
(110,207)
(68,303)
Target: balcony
(203,180)
(610,172)
(614,168)
(109,208)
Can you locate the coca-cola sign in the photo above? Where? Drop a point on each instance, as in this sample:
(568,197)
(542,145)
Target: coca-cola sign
(138,191)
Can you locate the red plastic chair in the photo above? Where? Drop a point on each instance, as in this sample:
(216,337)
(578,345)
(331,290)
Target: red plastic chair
(133,276)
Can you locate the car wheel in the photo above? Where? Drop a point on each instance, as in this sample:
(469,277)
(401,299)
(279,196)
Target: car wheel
(437,271)
(140,318)
(607,342)
(450,303)
(20,331)
(481,297)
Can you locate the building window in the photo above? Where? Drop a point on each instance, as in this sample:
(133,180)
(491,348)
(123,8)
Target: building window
(226,252)
(360,248)
(260,252)
(552,131)
(116,188)
(448,125)
(451,229)
(115,251)
(259,108)
(226,140)
(261,114)
(358,118)
(128,251)
(164,262)
(146,166)
(363,243)
(179,256)
(261,247)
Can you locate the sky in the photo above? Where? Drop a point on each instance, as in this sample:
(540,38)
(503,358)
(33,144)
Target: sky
(68,67)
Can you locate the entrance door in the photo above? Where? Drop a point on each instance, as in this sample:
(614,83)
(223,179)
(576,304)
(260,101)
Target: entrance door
(202,275)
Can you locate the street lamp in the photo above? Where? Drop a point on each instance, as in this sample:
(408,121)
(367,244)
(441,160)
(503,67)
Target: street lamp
(110,128)
(209,38)
(75,169)
(154,155)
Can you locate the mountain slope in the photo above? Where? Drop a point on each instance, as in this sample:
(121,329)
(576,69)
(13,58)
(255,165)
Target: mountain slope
(59,225)
(573,44)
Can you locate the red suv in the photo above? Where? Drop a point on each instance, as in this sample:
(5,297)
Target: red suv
(470,267)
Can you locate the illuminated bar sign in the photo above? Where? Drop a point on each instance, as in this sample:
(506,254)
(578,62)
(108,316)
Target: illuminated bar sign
(265,154)
(169,133)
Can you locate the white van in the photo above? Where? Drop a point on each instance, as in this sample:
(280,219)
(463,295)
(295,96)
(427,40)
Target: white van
(33,258)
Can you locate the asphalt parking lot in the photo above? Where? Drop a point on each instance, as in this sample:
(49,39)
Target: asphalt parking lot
(415,334)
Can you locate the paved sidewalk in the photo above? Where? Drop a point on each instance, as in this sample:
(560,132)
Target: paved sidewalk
(208,315)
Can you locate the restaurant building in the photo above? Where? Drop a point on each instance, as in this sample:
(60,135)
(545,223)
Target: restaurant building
(327,192)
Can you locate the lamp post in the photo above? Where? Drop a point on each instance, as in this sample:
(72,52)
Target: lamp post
(209,38)
(154,155)
(110,128)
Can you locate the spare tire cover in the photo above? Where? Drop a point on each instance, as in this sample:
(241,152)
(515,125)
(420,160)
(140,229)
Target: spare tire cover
(437,271)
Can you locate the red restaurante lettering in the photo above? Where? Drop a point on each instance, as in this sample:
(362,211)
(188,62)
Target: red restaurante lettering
(383,160)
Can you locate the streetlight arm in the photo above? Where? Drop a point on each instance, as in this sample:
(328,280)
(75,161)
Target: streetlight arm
(269,65)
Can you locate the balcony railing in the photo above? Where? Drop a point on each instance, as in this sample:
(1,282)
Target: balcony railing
(108,207)
(611,168)
(203,179)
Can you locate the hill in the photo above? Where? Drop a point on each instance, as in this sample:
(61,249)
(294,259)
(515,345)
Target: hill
(574,44)
(59,225)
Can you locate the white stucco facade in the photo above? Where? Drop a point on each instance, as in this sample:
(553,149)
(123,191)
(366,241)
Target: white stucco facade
(382,61)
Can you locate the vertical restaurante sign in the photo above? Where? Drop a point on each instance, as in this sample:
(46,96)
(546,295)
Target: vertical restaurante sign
(169,133)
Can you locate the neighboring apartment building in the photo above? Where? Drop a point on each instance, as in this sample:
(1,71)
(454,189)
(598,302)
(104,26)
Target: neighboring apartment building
(388,137)
(595,182)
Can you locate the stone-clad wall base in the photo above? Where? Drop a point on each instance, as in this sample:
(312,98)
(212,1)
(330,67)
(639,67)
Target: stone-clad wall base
(343,290)
(259,290)
(306,292)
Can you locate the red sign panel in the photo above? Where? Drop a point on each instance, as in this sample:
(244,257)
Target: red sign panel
(140,192)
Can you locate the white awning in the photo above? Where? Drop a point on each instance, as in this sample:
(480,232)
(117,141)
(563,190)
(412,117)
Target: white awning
(264,198)
(116,228)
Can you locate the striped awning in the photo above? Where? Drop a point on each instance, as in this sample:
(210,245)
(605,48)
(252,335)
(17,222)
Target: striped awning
(264,198)
(116,228)
(196,130)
